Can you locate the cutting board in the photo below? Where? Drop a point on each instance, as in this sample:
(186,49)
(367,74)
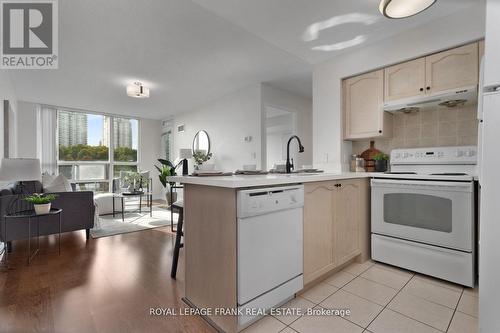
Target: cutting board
(368,156)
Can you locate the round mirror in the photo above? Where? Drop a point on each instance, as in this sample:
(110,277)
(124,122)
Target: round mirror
(201,143)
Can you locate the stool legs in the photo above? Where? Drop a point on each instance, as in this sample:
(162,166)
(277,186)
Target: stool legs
(178,244)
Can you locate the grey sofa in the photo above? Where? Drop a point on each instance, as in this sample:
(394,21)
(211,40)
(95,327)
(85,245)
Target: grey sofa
(78,212)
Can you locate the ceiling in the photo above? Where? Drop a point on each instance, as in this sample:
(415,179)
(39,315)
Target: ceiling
(191,52)
(284,22)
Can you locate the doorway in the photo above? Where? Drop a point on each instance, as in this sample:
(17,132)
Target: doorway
(279,126)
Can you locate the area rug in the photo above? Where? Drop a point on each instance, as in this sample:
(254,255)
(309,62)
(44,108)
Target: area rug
(107,225)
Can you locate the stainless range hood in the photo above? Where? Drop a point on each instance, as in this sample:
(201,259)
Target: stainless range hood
(451,98)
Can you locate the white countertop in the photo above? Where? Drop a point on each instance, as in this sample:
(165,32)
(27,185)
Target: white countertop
(241,181)
(244,181)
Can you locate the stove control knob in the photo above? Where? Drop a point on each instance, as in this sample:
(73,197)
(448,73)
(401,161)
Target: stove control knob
(406,155)
(397,155)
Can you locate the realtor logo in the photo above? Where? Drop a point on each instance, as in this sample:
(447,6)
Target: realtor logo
(29,34)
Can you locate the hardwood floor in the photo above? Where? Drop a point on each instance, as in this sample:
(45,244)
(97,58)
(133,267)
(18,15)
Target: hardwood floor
(106,285)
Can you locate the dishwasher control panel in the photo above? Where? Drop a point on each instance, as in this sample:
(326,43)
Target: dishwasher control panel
(266,200)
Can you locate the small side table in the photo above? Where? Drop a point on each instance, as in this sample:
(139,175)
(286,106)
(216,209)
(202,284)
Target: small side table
(30,214)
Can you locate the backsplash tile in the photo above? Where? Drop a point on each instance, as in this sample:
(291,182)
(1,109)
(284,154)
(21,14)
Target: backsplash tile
(439,127)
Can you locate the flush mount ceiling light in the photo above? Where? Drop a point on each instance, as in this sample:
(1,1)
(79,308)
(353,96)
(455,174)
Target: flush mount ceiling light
(137,90)
(396,9)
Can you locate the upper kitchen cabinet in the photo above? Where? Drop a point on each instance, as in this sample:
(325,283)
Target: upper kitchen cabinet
(405,80)
(455,68)
(363,102)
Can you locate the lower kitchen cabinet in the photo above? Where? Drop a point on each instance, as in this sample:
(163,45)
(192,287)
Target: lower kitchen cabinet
(318,229)
(336,225)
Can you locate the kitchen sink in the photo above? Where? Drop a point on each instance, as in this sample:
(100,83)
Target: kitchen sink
(295,174)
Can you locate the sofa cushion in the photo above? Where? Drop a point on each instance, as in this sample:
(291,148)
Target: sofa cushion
(47,180)
(59,184)
(104,203)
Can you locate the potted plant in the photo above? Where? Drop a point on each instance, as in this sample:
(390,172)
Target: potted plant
(200,157)
(41,202)
(167,169)
(381,162)
(135,179)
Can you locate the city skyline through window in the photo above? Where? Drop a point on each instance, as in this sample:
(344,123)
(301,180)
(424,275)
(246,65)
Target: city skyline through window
(86,143)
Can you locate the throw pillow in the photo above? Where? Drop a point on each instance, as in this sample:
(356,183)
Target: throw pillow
(47,179)
(59,184)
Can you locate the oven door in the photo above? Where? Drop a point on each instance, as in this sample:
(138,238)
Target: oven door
(431,212)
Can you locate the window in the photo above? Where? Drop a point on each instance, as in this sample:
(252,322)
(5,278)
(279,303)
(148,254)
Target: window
(166,141)
(92,147)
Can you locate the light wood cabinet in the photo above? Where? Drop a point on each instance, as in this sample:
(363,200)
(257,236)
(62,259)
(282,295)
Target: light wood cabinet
(336,225)
(405,80)
(455,68)
(346,224)
(364,95)
(363,103)
(318,229)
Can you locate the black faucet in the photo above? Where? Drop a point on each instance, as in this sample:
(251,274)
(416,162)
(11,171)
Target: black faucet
(289,165)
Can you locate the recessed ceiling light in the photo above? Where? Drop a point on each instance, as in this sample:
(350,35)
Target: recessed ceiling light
(397,9)
(137,90)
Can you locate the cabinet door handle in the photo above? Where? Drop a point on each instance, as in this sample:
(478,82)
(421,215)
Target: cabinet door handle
(380,131)
(421,89)
(428,88)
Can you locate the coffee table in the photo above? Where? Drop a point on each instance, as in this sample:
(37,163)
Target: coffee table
(123,195)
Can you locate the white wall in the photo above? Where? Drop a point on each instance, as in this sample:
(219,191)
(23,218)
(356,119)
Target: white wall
(227,121)
(330,152)
(7,92)
(149,151)
(302,107)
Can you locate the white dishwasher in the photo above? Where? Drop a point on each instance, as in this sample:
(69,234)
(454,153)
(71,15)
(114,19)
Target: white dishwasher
(270,261)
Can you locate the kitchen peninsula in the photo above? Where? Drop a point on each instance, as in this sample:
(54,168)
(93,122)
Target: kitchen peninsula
(332,213)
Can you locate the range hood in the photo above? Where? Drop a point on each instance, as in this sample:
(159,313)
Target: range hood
(451,98)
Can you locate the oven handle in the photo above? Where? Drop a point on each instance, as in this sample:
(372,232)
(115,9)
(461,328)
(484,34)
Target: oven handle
(422,183)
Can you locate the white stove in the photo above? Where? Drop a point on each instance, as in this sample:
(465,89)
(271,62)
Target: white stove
(423,212)
(438,163)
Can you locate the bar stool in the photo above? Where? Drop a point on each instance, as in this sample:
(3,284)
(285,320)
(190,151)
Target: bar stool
(179,206)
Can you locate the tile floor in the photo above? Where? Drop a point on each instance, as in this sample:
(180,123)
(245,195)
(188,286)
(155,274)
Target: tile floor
(382,299)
